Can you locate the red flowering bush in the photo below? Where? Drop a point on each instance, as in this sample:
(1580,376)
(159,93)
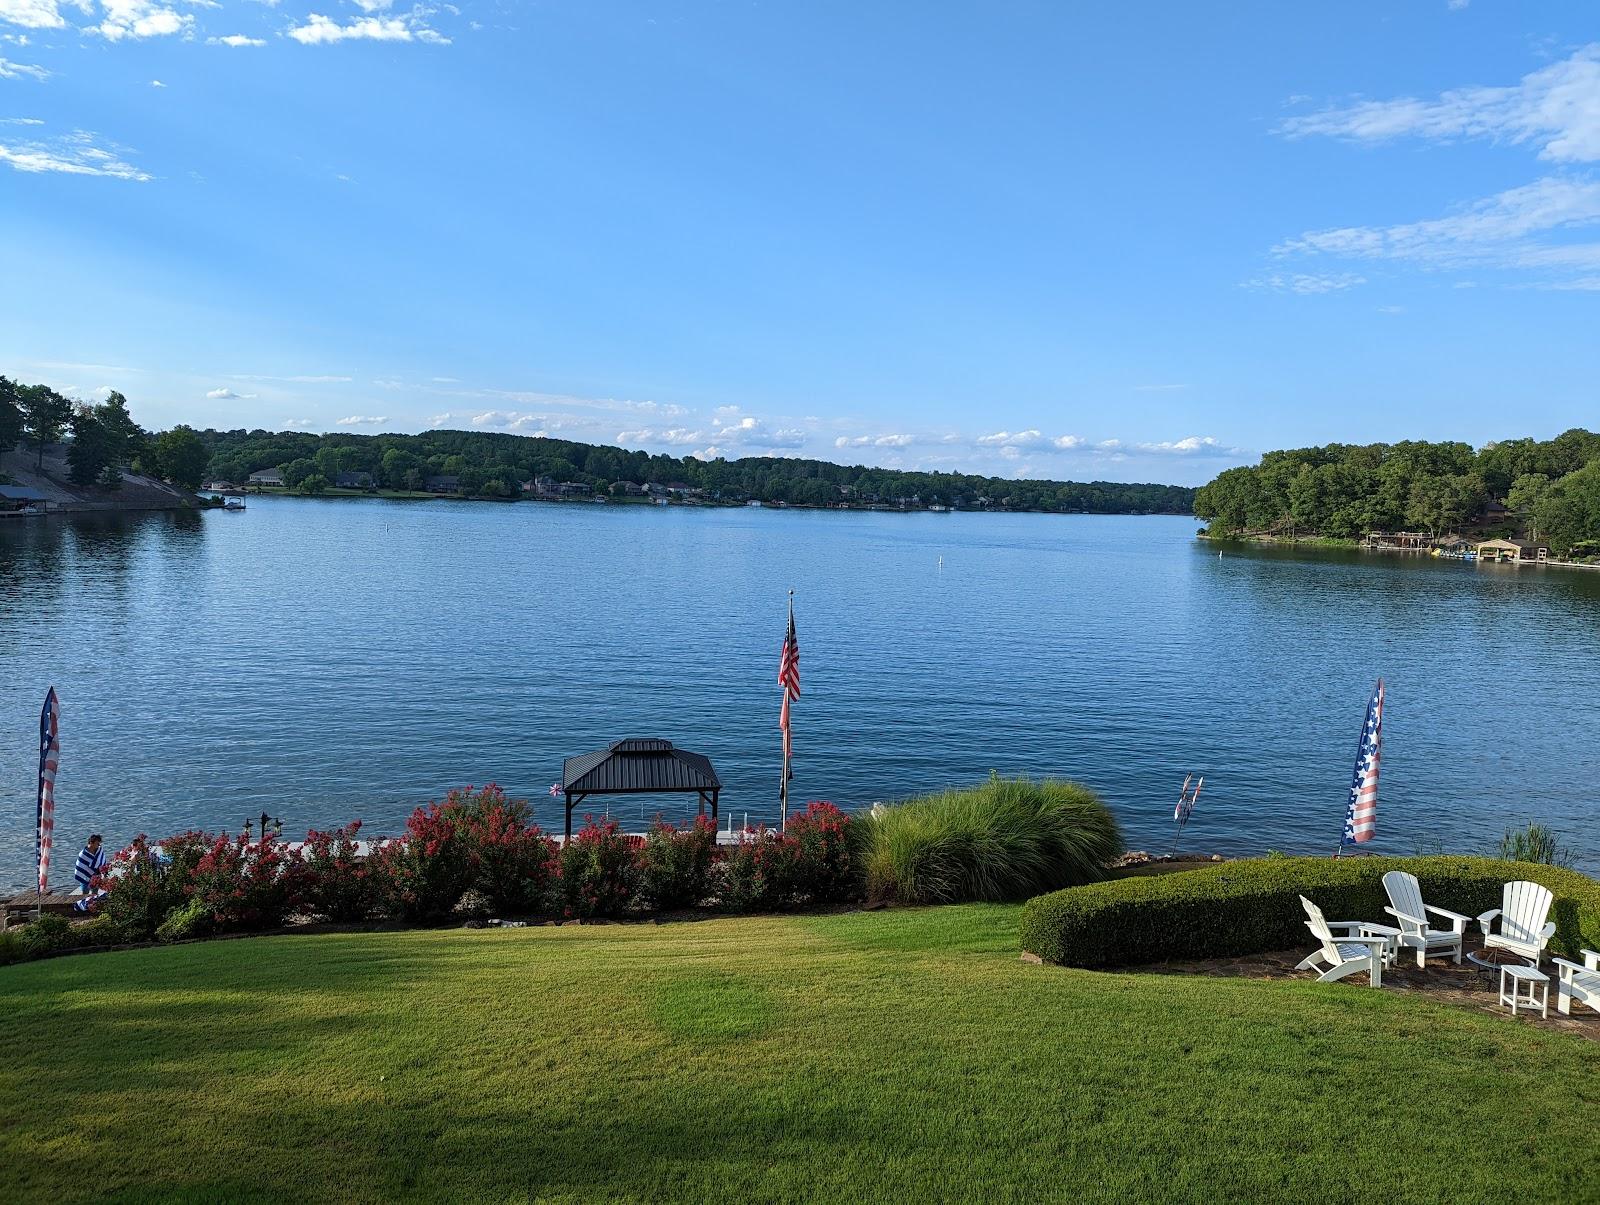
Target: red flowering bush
(821,868)
(144,883)
(675,864)
(475,840)
(423,874)
(756,875)
(514,863)
(335,881)
(244,884)
(599,870)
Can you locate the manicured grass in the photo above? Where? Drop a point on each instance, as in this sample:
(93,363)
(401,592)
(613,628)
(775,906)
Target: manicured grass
(884,1055)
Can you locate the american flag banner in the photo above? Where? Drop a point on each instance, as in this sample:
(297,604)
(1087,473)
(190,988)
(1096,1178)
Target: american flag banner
(1361,819)
(789,679)
(49,759)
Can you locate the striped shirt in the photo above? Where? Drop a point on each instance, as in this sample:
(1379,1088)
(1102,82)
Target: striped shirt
(90,863)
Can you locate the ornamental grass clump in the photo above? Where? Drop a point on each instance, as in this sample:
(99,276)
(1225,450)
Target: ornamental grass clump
(1007,839)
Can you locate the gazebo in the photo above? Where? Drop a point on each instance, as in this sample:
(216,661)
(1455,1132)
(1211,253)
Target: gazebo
(639,767)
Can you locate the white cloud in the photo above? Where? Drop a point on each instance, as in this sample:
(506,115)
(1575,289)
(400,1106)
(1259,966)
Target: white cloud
(227,395)
(1067,442)
(1110,445)
(1556,108)
(1306,283)
(155,83)
(362,420)
(10,70)
(298,424)
(321,30)
(140,19)
(1499,231)
(1010,439)
(75,154)
(1193,445)
(651,435)
(235,40)
(32,14)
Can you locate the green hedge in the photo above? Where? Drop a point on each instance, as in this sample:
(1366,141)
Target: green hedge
(1251,906)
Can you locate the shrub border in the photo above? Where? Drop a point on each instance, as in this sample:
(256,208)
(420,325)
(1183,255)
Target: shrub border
(1252,906)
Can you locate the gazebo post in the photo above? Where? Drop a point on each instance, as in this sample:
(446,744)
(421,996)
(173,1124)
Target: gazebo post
(713,809)
(702,810)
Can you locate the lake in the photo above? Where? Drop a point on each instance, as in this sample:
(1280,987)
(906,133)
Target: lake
(327,659)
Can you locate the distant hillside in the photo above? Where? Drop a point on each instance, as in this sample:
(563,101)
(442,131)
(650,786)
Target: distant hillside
(494,464)
(1550,489)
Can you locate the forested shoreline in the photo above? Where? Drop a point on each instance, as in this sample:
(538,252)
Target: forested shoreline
(1546,489)
(103,438)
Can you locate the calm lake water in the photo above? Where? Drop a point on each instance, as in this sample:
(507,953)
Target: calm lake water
(331,659)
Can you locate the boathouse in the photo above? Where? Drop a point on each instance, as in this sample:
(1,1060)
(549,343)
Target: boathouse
(22,500)
(1512,551)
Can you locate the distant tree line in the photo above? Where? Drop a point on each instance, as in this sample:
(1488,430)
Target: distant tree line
(102,439)
(495,464)
(1551,487)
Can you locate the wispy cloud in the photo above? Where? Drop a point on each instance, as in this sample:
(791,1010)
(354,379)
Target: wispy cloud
(1500,231)
(236,40)
(228,395)
(75,154)
(1306,283)
(363,420)
(298,424)
(10,70)
(1556,108)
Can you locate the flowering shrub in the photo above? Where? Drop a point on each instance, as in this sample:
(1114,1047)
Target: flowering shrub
(598,870)
(757,875)
(335,881)
(675,864)
(143,885)
(513,863)
(821,868)
(245,884)
(422,875)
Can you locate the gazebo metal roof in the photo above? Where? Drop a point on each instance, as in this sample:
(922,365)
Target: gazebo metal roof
(639,767)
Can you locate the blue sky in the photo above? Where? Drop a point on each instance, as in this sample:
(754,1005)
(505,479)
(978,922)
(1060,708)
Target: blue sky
(1123,241)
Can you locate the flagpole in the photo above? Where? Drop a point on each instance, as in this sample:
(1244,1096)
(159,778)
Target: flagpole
(783,793)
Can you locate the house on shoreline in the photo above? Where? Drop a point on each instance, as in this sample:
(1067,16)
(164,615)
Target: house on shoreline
(266,477)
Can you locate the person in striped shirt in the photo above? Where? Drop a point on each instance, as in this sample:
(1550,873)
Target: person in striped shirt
(90,862)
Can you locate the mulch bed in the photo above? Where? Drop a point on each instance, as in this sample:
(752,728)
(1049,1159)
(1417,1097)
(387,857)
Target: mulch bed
(1465,986)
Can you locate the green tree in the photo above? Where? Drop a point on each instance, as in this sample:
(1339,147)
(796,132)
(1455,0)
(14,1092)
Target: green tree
(181,457)
(91,453)
(10,415)
(1525,495)
(45,415)
(313,483)
(1568,512)
(297,471)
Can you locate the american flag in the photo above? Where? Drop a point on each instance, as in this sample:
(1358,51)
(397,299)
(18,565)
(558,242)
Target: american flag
(789,679)
(49,759)
(1361,820)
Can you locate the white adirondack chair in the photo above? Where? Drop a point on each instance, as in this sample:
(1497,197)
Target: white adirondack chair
(1346,954)
(1580,983)
(1406,906)
(1525,927)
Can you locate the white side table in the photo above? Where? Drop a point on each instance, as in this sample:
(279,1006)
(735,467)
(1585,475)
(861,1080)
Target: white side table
(1536,980)
(1391,936)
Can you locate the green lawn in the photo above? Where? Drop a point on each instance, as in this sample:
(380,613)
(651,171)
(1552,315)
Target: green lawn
(865,1056)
